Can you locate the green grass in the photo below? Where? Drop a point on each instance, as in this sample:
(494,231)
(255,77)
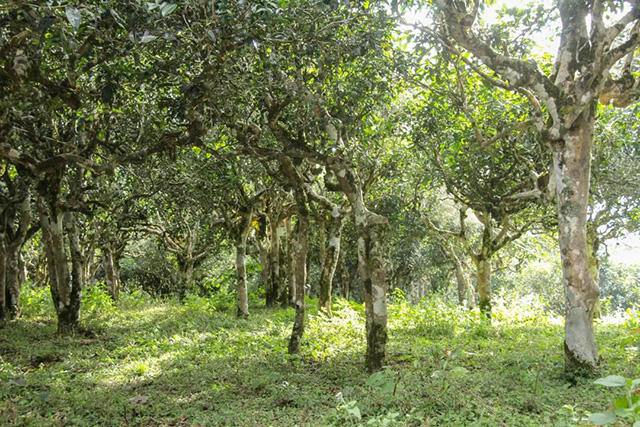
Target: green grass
(159,363)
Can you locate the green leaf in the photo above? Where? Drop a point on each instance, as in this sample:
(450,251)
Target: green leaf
(168,8)
(621,403)
(636,424)
(148,38)
(383,380)
(353,409)
(459,371)
(612,381)
(602,418)
(73,16)
(621,412)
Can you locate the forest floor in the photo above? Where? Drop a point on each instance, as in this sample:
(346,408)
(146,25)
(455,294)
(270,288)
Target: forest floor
(160,363)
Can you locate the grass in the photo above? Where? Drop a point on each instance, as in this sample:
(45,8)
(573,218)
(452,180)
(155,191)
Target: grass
(160,363)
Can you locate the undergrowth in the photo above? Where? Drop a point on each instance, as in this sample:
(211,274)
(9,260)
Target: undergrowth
(163,362)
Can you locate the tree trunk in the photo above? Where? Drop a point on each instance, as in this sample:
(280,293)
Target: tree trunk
(241,278)
(285,290)
(64,291)
(322,251)
(274,263)
(265,276)
(572,163)
(78,270)
(301,245)
(12,238)
(330,261)
(111,276)
(242,233)
(370,229)
(462,279)
(593,244)
(462,275)
(291,264)
(186,265)
(3,278)
(344,274)
(13,283)
(483,273)
(373,275)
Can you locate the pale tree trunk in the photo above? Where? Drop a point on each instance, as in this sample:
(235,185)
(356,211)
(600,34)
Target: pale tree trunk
(483,274)
(263,253)
(464,287)
(64,292)
(42,270)
(370,229)
(10,281)
(344,274)
(291,264)
(283,272)
(593,244)
(462,279)
(330,261)
(322,248)
(3,278)
(571,162)
(78,261)
(12,240)
(242,234)
(373,274)
(186,266)
(582,75)
(13,284)
(301,245)
(274,261)
(112,278)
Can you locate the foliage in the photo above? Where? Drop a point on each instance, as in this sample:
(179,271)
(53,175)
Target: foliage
(625,408)
(97,302)
(191,362)
(619,285)
(36,302)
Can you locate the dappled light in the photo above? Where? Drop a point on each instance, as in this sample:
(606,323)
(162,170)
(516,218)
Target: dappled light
(319,212)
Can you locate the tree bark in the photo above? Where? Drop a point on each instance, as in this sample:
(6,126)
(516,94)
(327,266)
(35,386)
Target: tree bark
(3,279)
(65,292)
(370,229)
(581,76)
(274,261)
(12,239)
(291,265)
(572,163)
(330,261)
(242,233)
(301,245)
(111,275)
(483,273)
(344,274)
(462,279)
(13,284)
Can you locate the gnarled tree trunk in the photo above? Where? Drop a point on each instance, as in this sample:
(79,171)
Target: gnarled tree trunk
(65,292)
(370,229)
(241,235)
(111,274)
(291,265)
(15,230)
(301,245)
(331,256)
(483,273)
(274,261)
(572,162)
